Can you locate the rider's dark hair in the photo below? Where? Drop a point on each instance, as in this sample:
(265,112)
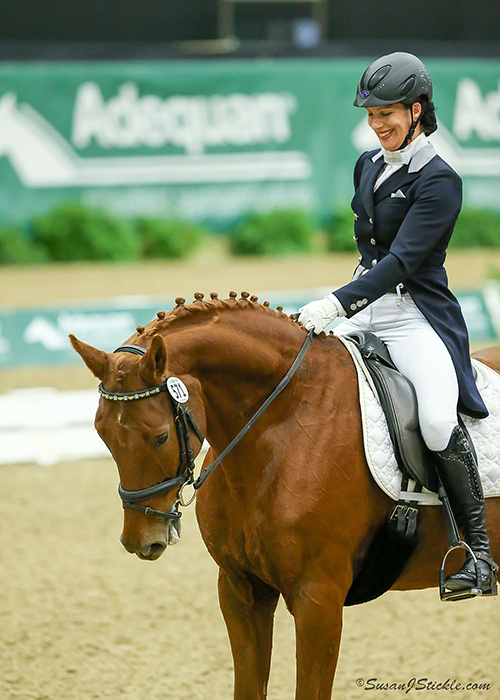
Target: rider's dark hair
(428,119)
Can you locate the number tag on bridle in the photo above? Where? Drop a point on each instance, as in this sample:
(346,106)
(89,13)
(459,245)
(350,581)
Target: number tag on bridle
(177,389)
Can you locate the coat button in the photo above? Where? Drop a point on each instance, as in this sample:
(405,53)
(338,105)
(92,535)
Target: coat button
(370,220)
(353,307)
(364,301)
(374,262)
(354,238)
(373,241)
(359,303)
(356,217)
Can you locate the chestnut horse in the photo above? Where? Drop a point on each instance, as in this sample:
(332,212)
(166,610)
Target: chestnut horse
(292,509)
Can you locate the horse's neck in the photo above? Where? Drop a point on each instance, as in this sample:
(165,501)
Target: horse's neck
(236,367)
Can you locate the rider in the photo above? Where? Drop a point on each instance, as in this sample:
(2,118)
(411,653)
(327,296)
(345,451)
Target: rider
(406,202)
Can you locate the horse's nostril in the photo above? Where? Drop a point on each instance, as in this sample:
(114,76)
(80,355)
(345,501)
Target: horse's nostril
(156,549)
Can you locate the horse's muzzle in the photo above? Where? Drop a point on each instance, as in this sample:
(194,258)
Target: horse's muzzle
(151,545)
(145,550)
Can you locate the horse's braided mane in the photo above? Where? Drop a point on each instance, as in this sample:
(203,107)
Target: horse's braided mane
(182,310)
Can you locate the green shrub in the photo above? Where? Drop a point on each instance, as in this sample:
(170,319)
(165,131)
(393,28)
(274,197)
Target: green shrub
(278,232)
(17,249)
(477,228)
(72,231)
(340,232)
(168,238)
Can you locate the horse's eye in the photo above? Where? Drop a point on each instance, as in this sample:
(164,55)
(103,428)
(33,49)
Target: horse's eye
(161,439)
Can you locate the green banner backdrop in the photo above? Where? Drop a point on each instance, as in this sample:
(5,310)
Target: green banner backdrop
(212,140)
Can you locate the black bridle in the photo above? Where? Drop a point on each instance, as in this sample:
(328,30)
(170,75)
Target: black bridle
(184,419)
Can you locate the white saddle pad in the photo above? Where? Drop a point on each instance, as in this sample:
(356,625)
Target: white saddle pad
(485,433)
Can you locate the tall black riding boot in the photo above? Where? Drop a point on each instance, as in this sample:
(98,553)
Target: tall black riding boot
(457,467)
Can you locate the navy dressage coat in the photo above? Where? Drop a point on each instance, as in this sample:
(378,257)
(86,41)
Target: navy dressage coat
(402,232)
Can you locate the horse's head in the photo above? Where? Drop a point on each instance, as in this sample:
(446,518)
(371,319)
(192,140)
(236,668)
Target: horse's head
(136,420)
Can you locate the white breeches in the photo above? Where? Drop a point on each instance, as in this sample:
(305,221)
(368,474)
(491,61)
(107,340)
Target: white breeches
(420,354)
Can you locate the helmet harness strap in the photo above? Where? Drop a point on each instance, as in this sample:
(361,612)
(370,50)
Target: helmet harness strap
(414,123)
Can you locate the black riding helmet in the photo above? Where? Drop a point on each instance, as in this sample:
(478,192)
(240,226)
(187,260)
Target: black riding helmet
(397,77)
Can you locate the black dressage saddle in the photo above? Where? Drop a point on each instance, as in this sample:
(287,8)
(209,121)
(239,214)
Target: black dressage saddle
(396,541)
(398,538)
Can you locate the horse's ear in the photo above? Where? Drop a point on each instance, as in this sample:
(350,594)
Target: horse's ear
(96,360)
(154,362)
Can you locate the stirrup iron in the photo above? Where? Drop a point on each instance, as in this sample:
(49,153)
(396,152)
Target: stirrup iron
(457,543)
(446,595)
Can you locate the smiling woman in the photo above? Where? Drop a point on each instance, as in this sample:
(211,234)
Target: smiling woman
(406,204)
(392,123)
(396,91)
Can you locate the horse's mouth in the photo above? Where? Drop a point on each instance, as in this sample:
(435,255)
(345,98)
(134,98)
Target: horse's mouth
(153,556)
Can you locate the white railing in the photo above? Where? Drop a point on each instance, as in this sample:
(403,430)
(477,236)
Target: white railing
(44,426)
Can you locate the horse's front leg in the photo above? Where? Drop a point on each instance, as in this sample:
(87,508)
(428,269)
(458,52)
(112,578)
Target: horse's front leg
(248,609)
(317,611)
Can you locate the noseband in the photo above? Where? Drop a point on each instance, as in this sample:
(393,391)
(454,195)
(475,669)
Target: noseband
(183,420)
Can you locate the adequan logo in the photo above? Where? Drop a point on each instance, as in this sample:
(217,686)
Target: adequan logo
(42,158)
(474,115)
(190,124)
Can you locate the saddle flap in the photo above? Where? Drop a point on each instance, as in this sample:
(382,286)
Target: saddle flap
(399,402)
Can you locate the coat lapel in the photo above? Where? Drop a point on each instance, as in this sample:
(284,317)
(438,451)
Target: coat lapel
(368,177)
(395,182)
(405,175)
(402,177)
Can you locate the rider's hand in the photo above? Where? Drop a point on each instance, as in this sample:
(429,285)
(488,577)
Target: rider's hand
(318,314)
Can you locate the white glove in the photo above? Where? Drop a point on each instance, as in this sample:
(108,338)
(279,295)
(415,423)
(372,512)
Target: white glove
(318,314)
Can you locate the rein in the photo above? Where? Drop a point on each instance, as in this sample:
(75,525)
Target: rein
(183,420)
